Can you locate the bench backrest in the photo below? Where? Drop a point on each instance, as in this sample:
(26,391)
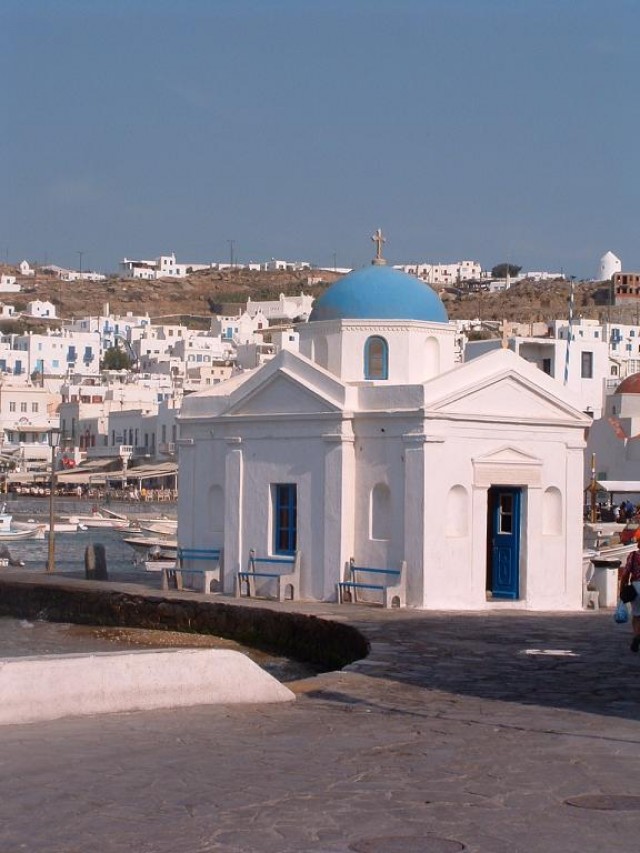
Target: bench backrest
(392,573)
(211,555)
(291,563)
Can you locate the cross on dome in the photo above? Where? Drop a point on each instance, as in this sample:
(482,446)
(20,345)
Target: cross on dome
(379,240)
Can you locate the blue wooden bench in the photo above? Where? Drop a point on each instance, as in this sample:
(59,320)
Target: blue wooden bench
(287,583)
(392,583)
(211,558)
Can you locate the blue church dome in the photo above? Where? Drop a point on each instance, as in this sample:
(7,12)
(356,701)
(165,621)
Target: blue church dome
(379,293)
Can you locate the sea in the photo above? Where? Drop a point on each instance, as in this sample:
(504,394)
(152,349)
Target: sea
(70,548)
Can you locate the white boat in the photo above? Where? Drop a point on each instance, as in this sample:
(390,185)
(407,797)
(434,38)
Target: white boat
(158,565)
(153,548)
(11,531)
(94,519)
(64,526)
(159,527)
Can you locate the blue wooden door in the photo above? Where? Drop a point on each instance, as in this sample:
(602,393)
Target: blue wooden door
(504,543)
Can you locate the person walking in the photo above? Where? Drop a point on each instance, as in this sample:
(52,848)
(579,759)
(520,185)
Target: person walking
(631,575)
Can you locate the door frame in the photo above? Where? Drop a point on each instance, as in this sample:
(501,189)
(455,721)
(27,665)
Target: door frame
(504,547)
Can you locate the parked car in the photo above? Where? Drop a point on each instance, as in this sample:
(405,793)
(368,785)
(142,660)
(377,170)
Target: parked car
(630,533)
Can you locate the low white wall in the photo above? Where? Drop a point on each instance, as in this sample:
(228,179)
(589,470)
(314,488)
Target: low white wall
(47,688)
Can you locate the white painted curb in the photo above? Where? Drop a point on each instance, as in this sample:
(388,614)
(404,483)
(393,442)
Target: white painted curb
(54,686)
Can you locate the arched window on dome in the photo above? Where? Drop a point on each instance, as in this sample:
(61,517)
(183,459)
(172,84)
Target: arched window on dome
(376,358)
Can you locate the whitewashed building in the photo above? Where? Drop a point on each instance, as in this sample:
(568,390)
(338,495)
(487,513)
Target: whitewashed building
(614,439)
(609,265)
(74,275)
(41,308)
(53,356)
(27,413)
(112,328)
(284,309)
(290,266)
(240,328)
(8,284)
(164,266)
(100,418)
(371,443)
(443,274)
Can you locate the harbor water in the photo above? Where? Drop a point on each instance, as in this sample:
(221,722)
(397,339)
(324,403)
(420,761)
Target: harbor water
(70,547)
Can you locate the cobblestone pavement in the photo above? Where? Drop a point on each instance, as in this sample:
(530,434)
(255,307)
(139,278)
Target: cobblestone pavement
(465,731)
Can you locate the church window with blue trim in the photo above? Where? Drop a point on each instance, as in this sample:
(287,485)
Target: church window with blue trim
(376,358)
(285,525)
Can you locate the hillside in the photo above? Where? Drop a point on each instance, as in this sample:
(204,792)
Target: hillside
(196,298)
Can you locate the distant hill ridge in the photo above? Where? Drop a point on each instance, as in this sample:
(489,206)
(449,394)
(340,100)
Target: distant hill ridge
(209,292)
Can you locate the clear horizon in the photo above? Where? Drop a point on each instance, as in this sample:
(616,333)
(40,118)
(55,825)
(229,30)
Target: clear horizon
(488,130)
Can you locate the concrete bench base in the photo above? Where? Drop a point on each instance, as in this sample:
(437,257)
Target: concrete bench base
(55,686)
(173,578)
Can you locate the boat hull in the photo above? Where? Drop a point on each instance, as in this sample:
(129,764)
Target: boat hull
(17,535)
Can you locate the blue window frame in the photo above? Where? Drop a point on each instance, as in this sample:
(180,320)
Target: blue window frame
(285,527)
(376,358)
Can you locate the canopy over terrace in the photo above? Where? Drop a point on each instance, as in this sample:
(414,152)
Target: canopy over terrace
(611,488)
(618,486)
(101,472)
(141,474)
(89,473)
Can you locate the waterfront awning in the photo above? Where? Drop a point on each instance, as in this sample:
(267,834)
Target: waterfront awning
(145,472)
(613,486)
(94,471)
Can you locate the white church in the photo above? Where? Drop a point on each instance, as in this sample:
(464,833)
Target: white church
(371,443)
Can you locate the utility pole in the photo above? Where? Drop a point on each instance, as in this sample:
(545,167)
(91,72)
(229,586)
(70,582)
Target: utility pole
(335,264)
(81,254)
(231,259)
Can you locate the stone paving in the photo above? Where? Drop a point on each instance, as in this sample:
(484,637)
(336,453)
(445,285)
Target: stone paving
(464,731)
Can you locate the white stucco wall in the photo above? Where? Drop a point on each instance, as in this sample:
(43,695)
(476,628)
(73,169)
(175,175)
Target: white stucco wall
(434,448)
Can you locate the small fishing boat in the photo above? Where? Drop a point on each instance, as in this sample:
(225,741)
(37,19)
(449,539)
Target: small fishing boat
(159,527)
(11,531)
(152,548)
(156,562)
(94,519)
(65,527)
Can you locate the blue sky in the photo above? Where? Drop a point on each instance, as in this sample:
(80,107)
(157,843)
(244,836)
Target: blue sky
(466,129)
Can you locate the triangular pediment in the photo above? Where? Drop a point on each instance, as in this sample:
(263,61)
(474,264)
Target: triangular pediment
(282,394)
(508,455)
(506,398)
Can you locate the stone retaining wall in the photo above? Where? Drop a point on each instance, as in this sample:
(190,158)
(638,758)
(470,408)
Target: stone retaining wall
(328,645)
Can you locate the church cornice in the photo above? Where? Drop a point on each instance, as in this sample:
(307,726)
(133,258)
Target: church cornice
(327,326)
(461,417)
(395,326)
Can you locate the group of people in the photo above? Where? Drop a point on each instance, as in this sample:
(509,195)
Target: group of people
(626,511)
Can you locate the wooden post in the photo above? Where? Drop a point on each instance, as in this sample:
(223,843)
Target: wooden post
(593,488)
